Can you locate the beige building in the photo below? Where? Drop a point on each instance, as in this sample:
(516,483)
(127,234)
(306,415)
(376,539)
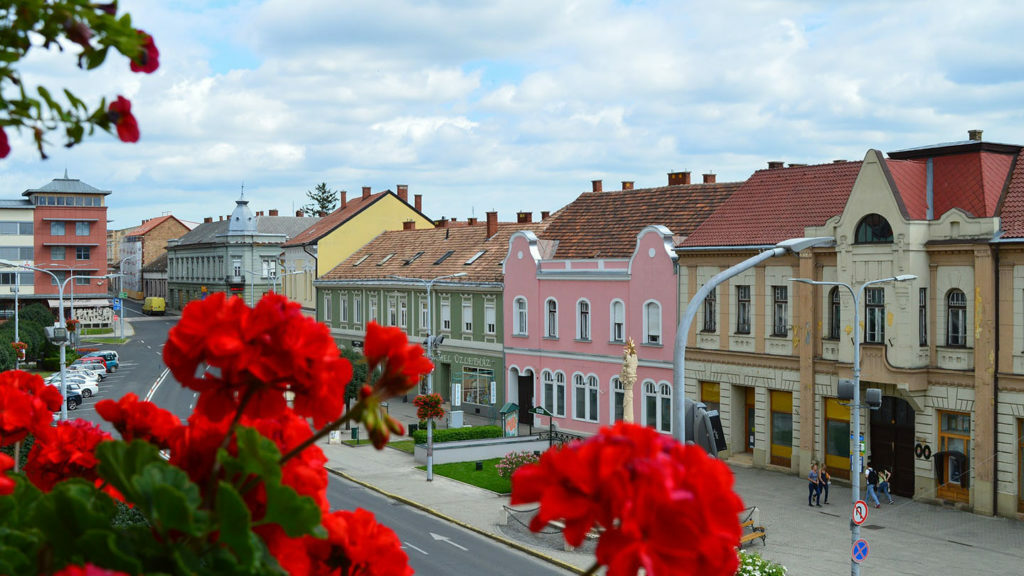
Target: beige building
(945,348)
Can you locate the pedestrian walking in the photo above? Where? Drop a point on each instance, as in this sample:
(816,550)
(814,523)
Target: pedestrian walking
(813,485)
(872,484)
(883,484)
(825,480)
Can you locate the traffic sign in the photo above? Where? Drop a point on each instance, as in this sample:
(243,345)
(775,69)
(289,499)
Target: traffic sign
(117,304)
(860,512)
(122,295)
(860,550)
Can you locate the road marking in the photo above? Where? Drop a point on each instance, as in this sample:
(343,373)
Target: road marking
(420,550)
(160,380)
(448,540)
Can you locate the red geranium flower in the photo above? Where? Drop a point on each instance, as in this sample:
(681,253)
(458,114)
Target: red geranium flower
(6,482)
(5,146)
(120,113)
(257,355)
(87,570)
(148,59)
(27,405)
(357,545)
(402,364)
(305,473)
(142,420)
(665,507)
(69,452)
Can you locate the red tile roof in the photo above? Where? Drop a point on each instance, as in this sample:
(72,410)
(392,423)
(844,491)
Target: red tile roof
(910,178)
(425,254)
(605,224)
(329,223)
(1012,210)
(777,204)
(153,223)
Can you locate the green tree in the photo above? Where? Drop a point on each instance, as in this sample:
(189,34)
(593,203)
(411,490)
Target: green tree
(94,29)
(323,199)
(38,313)
(358,373)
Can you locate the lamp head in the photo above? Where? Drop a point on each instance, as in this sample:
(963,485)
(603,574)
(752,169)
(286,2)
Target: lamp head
(459,275)
(905,277)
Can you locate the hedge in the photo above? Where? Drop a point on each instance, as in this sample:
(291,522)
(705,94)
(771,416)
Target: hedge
(456,434)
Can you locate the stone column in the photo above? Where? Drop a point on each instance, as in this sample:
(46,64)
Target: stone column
(983,457)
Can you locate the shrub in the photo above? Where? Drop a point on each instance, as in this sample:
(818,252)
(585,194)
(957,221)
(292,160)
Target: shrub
(513,460)
(456,434)
(752,564)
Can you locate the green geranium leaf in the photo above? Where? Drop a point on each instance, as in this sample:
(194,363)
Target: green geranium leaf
(257,456)
(120,461)
(73,508)
(297,515)
(103,547)
(234,519)
(169,499)
(16,560)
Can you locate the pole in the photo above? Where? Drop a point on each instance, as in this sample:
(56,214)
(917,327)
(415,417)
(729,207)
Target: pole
(430,384)
(855,422)
(17,338)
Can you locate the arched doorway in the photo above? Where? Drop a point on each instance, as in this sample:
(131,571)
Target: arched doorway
(892,443)
(522,384)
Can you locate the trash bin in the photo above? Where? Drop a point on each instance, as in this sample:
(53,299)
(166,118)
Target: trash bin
(413,428)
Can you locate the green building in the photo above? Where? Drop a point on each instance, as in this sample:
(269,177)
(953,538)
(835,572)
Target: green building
(387,281)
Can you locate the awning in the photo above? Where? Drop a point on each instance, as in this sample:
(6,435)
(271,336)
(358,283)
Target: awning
(81,303)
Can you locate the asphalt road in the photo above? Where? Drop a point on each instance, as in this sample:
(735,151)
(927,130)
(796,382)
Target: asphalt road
(435,547)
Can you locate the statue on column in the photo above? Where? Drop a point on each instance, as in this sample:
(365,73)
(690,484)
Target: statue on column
(628,378)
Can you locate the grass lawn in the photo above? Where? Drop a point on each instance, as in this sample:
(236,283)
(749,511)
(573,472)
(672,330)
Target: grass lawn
(106,340)
(406,446)
(94,331)
(466,472)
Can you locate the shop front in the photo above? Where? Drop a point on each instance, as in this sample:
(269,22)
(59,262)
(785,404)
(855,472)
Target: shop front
(477,379)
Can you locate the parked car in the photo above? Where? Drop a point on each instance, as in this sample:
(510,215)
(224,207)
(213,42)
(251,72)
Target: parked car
(100,367)
(74,398)
(86,387)
(95,360)
(98,371)
(110,358)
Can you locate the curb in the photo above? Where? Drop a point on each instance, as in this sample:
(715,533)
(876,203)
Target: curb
(446,518)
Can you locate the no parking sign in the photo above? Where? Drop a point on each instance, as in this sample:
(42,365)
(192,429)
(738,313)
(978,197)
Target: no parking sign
(860,550)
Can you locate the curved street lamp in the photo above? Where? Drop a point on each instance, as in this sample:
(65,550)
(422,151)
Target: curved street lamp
(858,296)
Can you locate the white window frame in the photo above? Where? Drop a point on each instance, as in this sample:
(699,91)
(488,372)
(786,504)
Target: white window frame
(520,316)
(424,315)
(874,315)
(618,398)
(446,314)
(551,319)
(652,335)
(780,311)
(552,390)
(357,309)
(79,226)
(467,319)
(490,317)
(583,319)
(659,392)
(743,304)
(956,313)
(327,306)
(585,389)
(343,307)
(711,311)
(372,313)
(403,310)
(617,319)
(391,317)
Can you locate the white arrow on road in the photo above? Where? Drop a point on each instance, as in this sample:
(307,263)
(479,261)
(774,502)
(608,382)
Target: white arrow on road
(448,540)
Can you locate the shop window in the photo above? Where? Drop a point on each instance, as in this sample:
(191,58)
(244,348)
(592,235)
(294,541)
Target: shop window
(953,456)
(711,395)
(781,427)
(476,385)
(837,438)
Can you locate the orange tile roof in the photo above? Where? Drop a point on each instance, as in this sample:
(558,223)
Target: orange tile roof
(1011,214)
(605,224)
(422,254)
(151,224)
(329,223)
(777,204)
(911,180)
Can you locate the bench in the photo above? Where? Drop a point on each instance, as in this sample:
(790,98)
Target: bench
(752,529)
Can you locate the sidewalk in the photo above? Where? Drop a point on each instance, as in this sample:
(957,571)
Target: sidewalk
(909,537)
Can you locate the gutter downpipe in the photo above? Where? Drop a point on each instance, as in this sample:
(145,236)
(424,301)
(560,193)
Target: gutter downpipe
(995,392)
(316,272)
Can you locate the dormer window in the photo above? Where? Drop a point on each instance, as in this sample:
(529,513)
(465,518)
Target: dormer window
(874,229)
(385,259)
(443,258)
(361,260)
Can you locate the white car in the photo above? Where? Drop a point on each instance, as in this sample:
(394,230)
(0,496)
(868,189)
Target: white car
(87,387)
(89,369)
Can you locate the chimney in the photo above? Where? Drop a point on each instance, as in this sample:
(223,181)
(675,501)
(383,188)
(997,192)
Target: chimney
(366,192)
(595,185)
(442,223)
(974,135)
(627,184)
(472,221)
(273,213)
(709,178)
(299,213)
(418,202)
(840,161)
(321,213)
(208,219)
(220,218)
(409,225)
(678,178)
(344,198)
(524,217)
(259,212)
(403,193)
(775,164)
(492,224)
(544,214)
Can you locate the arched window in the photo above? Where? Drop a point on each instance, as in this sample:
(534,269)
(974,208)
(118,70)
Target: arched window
(583,320)
(519,317)
(618,321)
(585,397)
(618,399)
(956,318)
(652,323)
(873,229)
(833,313)
(658,405)
(551,319)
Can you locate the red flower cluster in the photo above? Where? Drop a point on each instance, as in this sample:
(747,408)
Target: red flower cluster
(120,113)
(5,146)
(140,420)
(305,473)
(148,59)
(648,492)
(429,406)
(87,570)
(356,545)
(250,357)
(69,452)
(27,405)
(401,363)
(6,483)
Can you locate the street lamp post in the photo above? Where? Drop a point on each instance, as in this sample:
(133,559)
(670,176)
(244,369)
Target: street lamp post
(791,246)
(120,285)
(855,407)
(17,337)
(430,355)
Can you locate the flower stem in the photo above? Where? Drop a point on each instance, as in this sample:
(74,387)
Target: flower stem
(212,482)
(323,432)
(17,455)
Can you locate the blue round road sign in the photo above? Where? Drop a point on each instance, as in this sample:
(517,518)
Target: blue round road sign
(860,550)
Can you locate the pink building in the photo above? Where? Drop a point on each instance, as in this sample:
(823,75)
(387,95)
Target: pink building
(602,272)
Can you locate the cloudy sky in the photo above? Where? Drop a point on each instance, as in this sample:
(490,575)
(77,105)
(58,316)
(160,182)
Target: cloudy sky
(517,105)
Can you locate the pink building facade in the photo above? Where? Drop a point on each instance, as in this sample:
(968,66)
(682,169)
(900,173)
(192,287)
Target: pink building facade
(567,322)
